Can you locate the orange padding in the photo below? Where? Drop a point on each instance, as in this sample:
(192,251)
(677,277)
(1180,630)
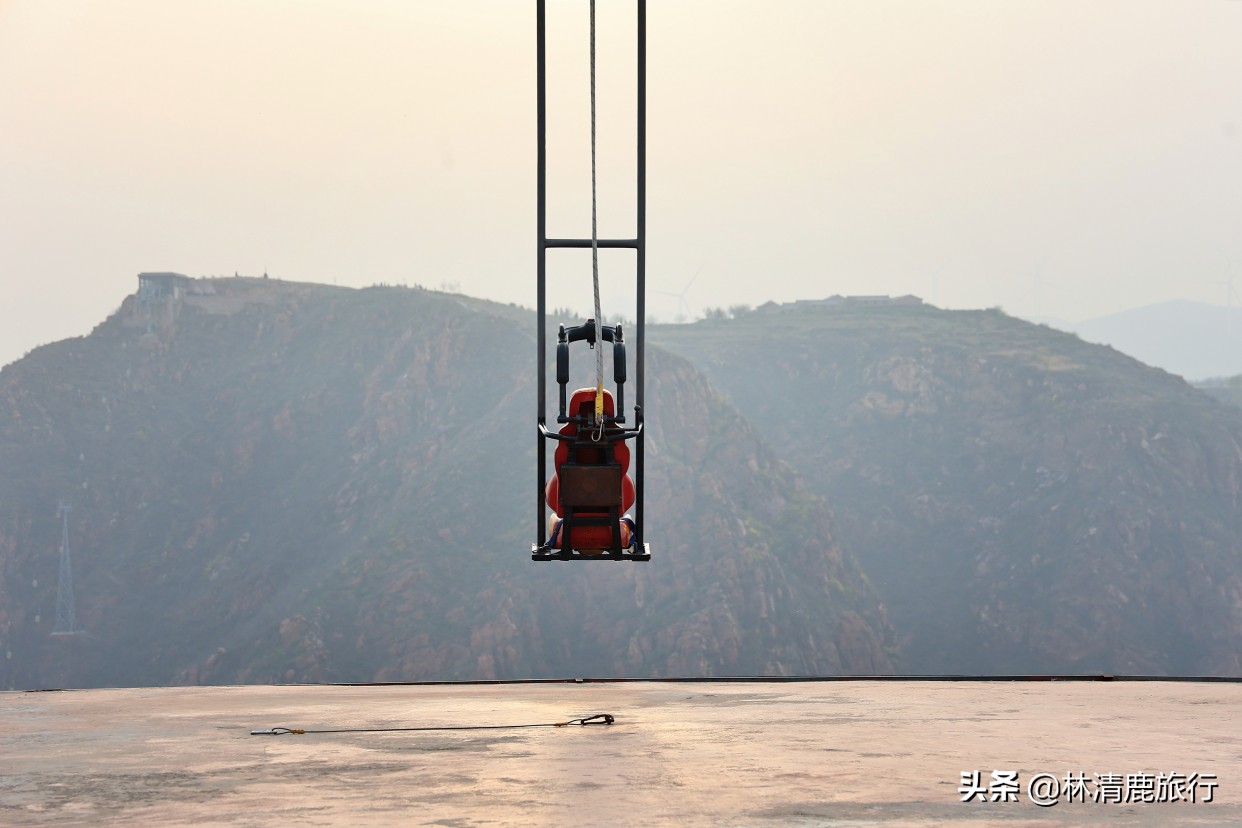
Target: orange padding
(591,537)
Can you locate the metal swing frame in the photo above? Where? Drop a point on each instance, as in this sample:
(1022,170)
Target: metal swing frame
(614,427)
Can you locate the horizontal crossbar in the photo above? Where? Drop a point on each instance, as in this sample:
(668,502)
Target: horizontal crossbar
(600,243)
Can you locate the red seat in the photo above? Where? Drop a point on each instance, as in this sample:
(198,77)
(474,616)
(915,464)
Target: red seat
(582,403)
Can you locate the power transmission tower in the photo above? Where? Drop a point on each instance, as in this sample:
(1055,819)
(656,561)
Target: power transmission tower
(66,614)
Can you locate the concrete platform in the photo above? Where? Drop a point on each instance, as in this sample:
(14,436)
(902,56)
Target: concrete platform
(698,753)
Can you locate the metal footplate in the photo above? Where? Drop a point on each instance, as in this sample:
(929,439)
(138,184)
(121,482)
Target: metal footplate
(548,553)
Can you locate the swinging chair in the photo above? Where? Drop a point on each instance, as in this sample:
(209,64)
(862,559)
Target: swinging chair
(591,490)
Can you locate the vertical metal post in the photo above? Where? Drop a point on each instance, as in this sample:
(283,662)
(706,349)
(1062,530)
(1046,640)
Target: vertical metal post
(640,359)
(542,244)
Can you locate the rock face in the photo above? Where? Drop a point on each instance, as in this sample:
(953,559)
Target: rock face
(1024,502)
(275,482)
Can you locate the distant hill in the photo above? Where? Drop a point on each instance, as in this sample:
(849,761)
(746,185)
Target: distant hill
(1226,389)
(1190,339)
(274,482)
(1024,501)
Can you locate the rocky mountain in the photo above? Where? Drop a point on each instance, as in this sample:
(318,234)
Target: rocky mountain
(1025,502)
(274,482)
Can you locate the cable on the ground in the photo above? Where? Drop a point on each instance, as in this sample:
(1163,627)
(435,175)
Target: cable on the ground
(594,719)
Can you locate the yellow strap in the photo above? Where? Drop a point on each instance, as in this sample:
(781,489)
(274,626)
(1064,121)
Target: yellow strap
(599,402)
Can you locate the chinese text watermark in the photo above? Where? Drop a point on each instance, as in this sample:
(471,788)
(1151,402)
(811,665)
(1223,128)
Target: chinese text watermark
(1048,789)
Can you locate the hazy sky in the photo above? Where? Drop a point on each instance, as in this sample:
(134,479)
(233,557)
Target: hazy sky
(1064,158)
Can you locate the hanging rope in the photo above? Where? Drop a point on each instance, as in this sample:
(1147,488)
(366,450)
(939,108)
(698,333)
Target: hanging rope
(594,719)
(599,319)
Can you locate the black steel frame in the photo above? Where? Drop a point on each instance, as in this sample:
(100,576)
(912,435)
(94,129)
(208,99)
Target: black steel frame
(638,244)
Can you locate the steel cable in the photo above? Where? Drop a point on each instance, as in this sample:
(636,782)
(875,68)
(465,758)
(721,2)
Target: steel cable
(599,319)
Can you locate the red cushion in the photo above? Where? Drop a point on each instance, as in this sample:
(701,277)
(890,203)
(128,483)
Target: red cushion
(590,537)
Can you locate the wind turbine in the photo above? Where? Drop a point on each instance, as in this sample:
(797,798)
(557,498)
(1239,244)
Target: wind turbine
(934,299)
(1035,292)
(683,307)
(1230,294)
